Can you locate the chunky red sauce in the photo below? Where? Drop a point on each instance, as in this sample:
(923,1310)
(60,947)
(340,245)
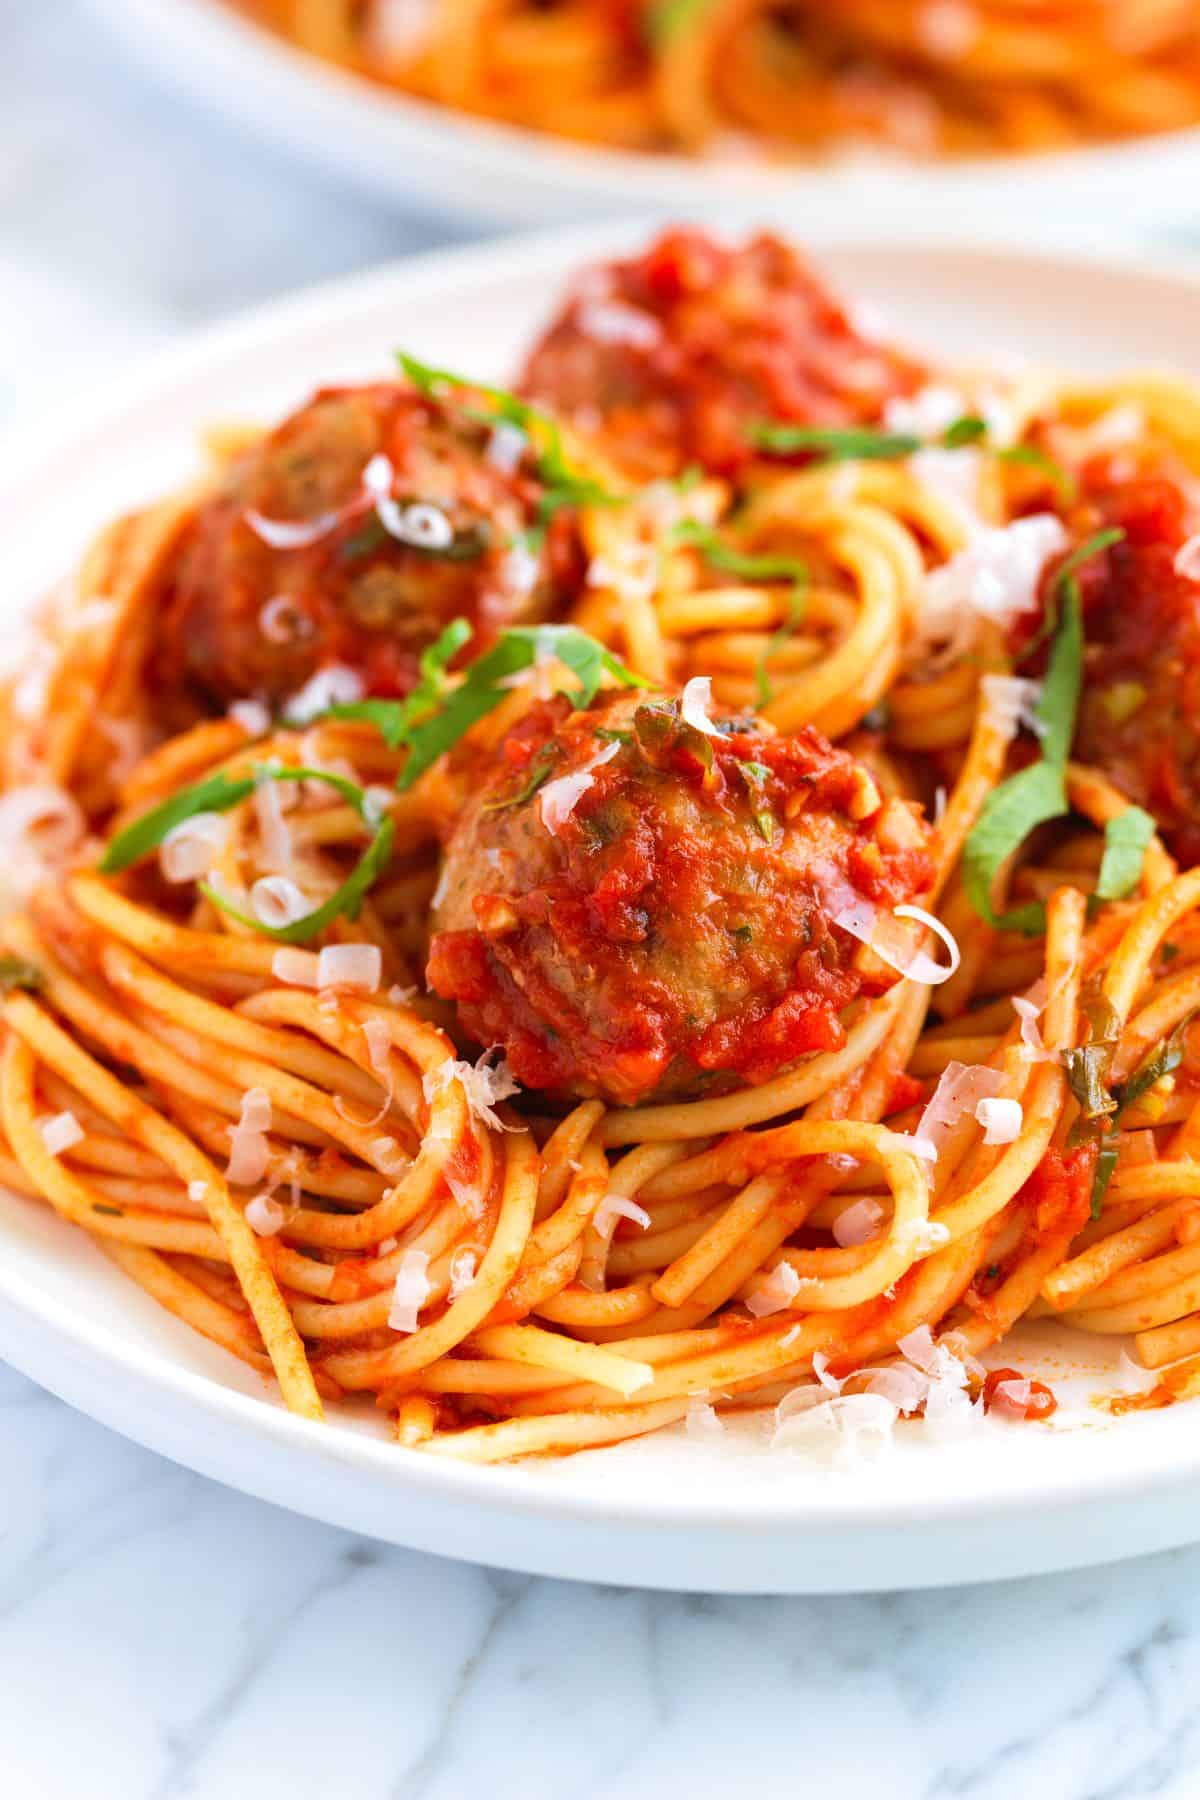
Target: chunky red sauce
(673,930)
(1016,1396)
(670,356)
(1139,714)
(250,618)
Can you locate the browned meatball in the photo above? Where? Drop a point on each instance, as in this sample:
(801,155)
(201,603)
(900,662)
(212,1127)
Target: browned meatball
(668,358)
(633,907)
(352,534)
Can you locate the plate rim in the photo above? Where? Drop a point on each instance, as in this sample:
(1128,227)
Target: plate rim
(205,45)
(1163,1465)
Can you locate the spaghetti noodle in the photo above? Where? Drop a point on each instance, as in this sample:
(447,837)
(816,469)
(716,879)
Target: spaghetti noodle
(753,1067)
(724,77)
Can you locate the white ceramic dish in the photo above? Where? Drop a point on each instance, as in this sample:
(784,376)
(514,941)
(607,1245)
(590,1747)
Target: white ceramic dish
(450,164)
(667,1511)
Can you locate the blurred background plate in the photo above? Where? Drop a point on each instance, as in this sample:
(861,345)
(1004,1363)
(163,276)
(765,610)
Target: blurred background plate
(451,165)
(666,1511)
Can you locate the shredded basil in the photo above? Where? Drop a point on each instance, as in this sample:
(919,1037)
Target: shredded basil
(858,443)
(1035,795)
(746,565)
(749,567)
(1126,840)
(967,430)
(564,486)
(393,718)
(15,972)
(482,688)
(345,902)
(755,775)
(1087,1077)
(538,775)
(1065,580)
(1164,1059)
(1030,456)
(836,443)
(218,794)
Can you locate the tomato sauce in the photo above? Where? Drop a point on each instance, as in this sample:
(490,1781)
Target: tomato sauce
(671,356)
(671,933)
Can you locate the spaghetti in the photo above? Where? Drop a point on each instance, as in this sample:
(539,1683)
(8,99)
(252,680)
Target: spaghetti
(797,846)
(724,77)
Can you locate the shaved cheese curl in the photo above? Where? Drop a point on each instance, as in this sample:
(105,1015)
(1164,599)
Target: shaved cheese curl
(357,966)
(485,1085)
(265,1216)
(559,798)
(861,919)
(960,1088)
(619,1206)
(694,703)
(858,1223)
(775,1292)
(1001,1120)
(410,1292)
(189,849)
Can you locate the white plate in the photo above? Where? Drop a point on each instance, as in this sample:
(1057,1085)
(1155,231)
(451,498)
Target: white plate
(667,1511)
(451,163)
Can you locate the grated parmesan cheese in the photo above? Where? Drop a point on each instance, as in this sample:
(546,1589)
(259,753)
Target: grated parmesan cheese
(60,1132)
(410,1292)
(775,1292)
(484,1084)
(995,577)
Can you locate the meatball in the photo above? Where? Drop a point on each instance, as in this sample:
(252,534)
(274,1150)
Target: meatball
(1139,712)
(668,358)
(352,534)
(633,907)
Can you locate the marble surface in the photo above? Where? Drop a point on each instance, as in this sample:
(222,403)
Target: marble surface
(161,1637)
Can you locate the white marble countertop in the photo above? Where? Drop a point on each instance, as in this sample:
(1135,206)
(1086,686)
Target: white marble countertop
(161,1637)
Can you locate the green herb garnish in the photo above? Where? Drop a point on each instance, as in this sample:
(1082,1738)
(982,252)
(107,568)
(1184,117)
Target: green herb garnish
(222,792)
(861,444)
(1035,795)
(1100,540)
(1030,456)
(744,564)
(436,714)
(394,718)
(836,443)
(1164,1059)
(964,431)
(749,567)
(537,776)
(756,775)
(15,972)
